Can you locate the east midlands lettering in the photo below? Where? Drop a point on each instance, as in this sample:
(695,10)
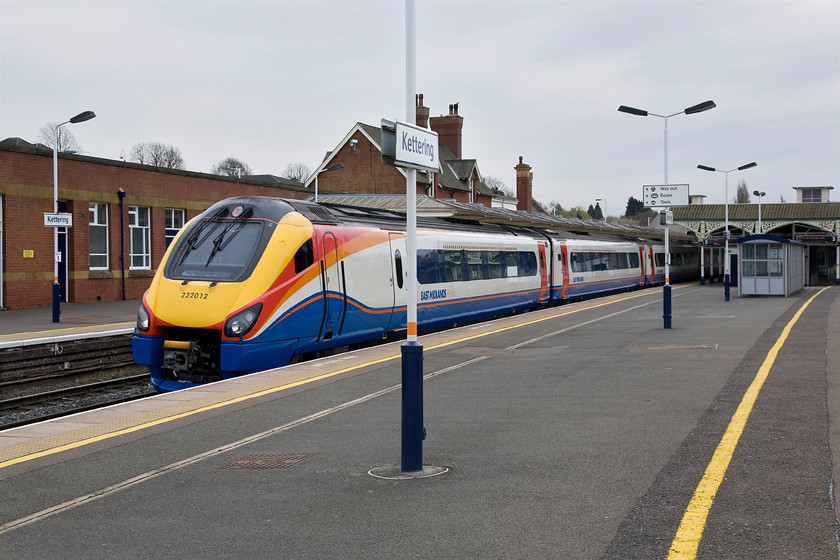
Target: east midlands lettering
(415,145)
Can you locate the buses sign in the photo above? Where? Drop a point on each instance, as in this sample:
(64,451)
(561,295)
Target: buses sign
(665,196)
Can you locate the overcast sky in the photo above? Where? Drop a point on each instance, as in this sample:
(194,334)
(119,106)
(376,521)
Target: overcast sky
(280,82)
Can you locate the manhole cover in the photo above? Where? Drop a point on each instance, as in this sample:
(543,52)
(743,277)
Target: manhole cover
(268,461)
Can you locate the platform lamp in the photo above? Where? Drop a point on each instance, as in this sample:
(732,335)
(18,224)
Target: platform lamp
(56,289)
(699,108)
(330,168)
(726,218)
(759,194)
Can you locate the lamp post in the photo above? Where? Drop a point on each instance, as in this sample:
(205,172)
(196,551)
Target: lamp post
(759,194)
(604,200)
(330,168)
(726,221)
(56,289)
(699,108)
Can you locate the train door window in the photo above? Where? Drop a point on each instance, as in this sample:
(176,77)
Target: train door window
(98,230)
(475,264)
(304,257)
(399,268)
(453,271)
(494,264)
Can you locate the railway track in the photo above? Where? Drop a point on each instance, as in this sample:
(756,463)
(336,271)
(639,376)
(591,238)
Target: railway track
(28,409)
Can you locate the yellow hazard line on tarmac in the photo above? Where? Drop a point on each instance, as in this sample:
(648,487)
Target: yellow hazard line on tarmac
(166,419)
(687,540)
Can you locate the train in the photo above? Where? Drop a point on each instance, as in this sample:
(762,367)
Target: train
(255,283)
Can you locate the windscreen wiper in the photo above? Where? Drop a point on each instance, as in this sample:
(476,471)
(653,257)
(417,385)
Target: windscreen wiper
(192,242)
(220,242)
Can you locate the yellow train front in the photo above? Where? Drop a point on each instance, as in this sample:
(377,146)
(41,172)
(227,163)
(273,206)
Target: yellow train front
(216,288)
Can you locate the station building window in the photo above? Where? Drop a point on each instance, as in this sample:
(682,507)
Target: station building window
(98,226)
(173,222)
(140,245)
(762,259)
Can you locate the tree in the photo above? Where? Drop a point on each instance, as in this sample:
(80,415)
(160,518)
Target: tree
(742,195)
(232,167)
(497,186)
(634,206)
(157,154)
(596,213)
(66,141)
(296,171)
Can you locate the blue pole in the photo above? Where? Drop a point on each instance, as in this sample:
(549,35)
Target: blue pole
(412,406)
(666,305)
(726,287)
(56,306)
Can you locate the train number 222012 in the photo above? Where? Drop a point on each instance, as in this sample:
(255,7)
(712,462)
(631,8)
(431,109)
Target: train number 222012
(193,295)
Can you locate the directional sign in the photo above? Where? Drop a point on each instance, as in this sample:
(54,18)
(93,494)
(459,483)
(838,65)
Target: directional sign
(665,196)
(406,145)
(58,219)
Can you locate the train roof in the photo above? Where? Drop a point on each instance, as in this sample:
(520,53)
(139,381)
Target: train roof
(447,214)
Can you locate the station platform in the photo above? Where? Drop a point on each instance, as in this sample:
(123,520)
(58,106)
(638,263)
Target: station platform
(580,431)
(21,327)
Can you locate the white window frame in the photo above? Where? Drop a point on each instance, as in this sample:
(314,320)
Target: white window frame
(93,222)
(139,257)
(171,223)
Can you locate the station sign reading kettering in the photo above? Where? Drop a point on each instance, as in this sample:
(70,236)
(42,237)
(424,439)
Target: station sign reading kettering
(406,145)
(665,196)
(58,219)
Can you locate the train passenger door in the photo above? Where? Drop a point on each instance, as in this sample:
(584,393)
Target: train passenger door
(399,276)
(642,266)
(564,266)
(543,294)
(334,296)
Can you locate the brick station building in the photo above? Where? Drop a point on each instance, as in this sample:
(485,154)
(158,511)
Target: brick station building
(124,214)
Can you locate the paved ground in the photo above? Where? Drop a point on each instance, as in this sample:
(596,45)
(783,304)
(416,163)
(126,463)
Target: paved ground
(574,432)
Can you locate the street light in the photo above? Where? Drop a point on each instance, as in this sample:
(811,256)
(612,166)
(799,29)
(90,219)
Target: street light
(56,289)
(699,108)
(604,200)
(330,168)
(726,213)
(759,194)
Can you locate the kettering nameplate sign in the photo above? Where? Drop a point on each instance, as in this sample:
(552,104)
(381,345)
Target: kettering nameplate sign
(58,220)
(406,145)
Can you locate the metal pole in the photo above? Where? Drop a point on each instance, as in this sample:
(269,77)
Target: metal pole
(412,351)
(56,288)
(726,241)
(666,289)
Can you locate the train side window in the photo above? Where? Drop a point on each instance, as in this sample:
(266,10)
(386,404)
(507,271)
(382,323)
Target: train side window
(304,257)
(494,263)
(453,272)
(476,266)
(511,265)
(399,267)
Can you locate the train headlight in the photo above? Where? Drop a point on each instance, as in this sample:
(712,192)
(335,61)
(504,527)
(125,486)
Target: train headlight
(143,318)
(242,322)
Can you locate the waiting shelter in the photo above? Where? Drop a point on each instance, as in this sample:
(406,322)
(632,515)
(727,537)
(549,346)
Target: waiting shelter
(770,266)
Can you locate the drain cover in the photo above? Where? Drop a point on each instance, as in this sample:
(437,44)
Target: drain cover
(268,461)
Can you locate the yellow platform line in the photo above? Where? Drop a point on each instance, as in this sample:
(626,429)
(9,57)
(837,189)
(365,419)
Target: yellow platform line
(687,540)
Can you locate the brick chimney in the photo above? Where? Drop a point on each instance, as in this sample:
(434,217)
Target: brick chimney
(422,113)
(448,128)
(524,184)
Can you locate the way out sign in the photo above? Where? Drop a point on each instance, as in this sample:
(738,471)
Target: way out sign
(58,219)
(406,145)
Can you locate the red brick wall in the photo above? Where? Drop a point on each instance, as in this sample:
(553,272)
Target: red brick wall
(363,172)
